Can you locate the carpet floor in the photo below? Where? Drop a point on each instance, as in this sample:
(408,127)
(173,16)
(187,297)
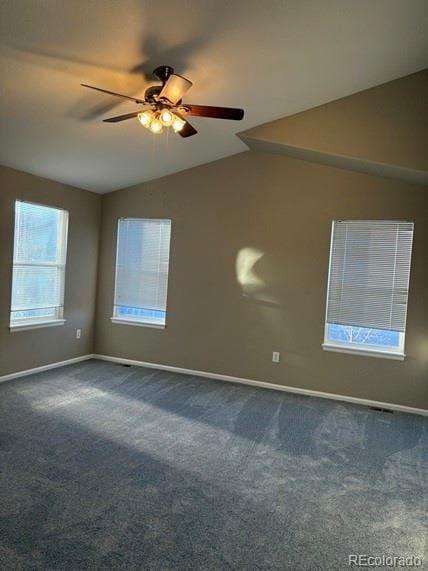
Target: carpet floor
(111,467)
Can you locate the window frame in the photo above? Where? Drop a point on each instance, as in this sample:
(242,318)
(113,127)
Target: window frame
(383,351)
(37,322)
(136,321)
(368,350)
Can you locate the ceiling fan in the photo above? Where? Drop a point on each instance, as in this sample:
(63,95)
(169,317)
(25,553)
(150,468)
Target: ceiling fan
(163,106)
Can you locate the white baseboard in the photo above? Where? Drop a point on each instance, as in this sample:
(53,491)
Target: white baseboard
(265,385)
(45,368)
(220,377)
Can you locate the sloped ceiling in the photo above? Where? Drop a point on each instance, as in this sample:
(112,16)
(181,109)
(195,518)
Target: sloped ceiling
(383,130)
(273,58)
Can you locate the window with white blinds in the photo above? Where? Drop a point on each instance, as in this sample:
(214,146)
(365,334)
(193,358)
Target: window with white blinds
(368,286)
(39,257)
(142,263)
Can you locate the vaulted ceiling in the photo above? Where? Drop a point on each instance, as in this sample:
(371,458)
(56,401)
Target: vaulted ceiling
(273,58)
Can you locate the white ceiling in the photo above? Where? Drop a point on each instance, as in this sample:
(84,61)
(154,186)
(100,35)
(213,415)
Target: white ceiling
(271,57)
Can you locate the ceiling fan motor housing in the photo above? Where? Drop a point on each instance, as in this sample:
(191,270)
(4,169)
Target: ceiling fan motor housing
(163,72)
(152,92)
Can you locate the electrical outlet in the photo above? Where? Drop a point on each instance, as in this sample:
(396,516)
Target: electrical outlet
(78,333)
(275,357)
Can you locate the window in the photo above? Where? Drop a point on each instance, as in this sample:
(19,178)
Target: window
(39,255)
(368,287)
(142,261)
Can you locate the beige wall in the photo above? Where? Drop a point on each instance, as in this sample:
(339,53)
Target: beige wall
(386,125)
(27,349)
(282,209)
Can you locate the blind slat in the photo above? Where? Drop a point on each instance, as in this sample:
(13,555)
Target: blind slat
(369,274)
(142,263)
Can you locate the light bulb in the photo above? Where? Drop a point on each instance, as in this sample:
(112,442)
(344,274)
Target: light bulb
(178,124)
(166,117)
(145,118)
(156,126)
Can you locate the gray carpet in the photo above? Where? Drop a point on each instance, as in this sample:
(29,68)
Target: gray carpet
(110,467)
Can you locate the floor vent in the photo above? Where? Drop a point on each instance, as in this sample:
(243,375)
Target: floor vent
(382,409)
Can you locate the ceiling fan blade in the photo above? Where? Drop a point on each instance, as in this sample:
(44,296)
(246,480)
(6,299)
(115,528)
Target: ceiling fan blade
(121,117)
(187,131)
(174,88)
(214,112)
(113,93)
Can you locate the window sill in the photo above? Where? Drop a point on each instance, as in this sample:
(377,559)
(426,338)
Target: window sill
(137,323)
(35,325)
(364,352)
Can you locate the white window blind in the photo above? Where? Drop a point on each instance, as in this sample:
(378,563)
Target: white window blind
(39,257)
(368,287)
(369,274)
(142,262)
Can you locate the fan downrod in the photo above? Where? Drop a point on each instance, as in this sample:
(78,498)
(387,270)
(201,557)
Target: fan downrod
(163,72)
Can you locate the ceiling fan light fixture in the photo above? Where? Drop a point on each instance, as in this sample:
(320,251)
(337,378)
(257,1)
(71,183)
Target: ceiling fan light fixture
(146,118)
(166,117)
(178,124)
(156,126)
